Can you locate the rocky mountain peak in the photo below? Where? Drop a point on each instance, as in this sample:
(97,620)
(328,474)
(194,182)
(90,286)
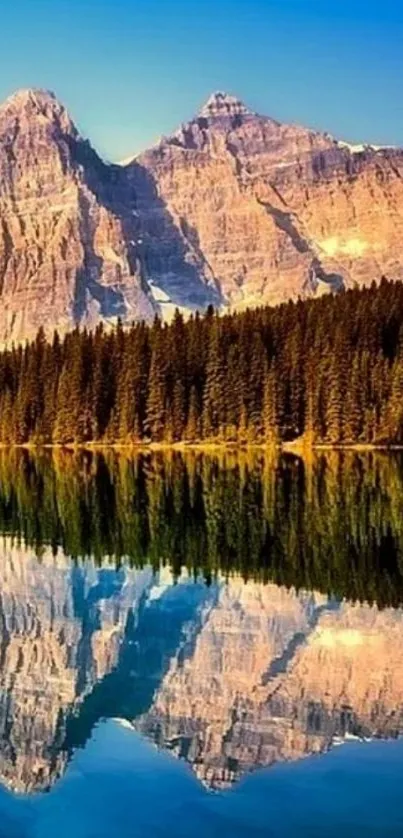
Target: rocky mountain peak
(221,104)
(31,97)
(31,106)
(234,209)
(68,231)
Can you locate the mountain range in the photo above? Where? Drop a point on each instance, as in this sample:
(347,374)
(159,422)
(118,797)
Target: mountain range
(234,209)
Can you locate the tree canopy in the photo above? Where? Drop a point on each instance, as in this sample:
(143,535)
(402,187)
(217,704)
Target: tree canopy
(328,370)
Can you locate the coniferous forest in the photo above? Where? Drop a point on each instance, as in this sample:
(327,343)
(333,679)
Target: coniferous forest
(328,370)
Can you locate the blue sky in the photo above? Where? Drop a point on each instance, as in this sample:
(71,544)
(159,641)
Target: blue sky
(131,70)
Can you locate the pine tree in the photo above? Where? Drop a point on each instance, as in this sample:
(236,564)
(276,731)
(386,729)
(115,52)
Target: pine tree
(353,411)
(178,411)
(336,387)
(213,398)
(270,415)
(193,429)
(394,411)
(68,427)
(156,401)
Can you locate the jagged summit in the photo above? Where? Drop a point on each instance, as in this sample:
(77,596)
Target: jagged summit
(31,95)
(34,100)
(221,104)
(33,103)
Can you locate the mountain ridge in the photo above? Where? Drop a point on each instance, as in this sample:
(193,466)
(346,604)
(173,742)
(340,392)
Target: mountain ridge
(221,104)
(233,209)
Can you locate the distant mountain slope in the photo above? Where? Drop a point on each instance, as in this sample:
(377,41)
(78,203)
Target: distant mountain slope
(233,209)
(275,211)
(67,232)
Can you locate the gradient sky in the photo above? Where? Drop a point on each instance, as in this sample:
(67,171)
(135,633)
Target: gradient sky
(131,70)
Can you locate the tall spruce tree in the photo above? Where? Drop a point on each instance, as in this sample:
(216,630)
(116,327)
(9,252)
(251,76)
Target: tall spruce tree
(157,397)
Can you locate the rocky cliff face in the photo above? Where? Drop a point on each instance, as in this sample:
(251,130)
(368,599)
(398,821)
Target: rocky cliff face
(233,209)
(270,211)
(68,251)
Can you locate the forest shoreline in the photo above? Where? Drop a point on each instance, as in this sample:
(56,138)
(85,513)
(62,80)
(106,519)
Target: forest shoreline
(292,447)
(323,374)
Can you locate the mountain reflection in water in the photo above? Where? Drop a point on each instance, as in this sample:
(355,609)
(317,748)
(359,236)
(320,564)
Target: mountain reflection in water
(237,611)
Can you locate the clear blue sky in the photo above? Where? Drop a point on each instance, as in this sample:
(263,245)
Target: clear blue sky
(131,70)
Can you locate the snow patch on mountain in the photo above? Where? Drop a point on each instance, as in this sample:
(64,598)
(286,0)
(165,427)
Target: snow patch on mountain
(359,148)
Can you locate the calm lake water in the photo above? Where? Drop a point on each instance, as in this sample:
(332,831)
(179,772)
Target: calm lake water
(201,646)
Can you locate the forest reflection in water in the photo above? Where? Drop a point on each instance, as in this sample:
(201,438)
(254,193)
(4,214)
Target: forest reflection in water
(236,610)
(332,523)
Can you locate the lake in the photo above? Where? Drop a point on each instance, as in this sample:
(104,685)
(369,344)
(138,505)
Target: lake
(201,645)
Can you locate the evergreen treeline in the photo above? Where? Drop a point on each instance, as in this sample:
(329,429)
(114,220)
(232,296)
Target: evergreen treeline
(329,370)
(332,523)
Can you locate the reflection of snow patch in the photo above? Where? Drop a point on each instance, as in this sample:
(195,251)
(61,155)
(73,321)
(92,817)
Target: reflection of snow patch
(165,581)
(349,737)
(122,723)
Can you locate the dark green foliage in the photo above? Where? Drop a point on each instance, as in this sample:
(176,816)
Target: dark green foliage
(331,522)
(325,371)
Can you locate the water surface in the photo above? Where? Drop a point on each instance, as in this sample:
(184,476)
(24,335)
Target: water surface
(175,626)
